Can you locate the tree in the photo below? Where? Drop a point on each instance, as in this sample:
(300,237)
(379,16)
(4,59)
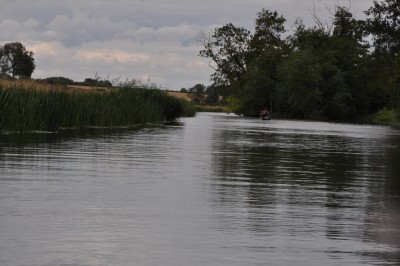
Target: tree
(227,47)
(268,31)
(383,24)
(97,82)
(213,95)
(267,50)
(328,71)
(344,25)
(198,93)
(58,80)
(246,63)
(323,76)
(16,60)
(351,56)
(300,93)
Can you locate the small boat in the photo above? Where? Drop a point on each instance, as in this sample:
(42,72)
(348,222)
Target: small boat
(265,117)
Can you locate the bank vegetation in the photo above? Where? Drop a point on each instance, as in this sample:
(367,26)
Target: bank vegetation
(32,106)
(341,68)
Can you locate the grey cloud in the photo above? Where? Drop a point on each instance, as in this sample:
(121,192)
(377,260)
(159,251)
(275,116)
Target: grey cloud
(136,38)
(83,28)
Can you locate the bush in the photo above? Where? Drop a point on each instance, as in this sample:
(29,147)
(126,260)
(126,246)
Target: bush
(234,105)
(189,110)
(386,117)
(58,80)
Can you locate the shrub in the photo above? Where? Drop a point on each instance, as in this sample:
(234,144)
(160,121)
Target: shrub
(386,117)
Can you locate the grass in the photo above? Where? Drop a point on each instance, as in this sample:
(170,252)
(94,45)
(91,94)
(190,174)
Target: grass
(29,106)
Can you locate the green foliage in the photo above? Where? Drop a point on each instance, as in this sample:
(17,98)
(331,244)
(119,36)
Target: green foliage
(387,117)
(16,60)
(302,86)
(228,48)
(268,50)
(189,110)
(25,108)
(345,26)
(383,23)
(135,83)
(327,72)
(234,105)
(213,95)
(58,80)
(97,82)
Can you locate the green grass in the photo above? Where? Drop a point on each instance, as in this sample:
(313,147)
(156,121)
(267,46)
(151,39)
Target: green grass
(26,107)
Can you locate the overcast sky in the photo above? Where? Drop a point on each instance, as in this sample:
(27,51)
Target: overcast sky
(141,39)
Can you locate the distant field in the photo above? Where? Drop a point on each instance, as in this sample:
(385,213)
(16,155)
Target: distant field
(80,88)
(77,88)
(180,95)
(176,94)
(86,88)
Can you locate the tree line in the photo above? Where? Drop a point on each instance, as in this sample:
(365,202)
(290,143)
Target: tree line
(344,70)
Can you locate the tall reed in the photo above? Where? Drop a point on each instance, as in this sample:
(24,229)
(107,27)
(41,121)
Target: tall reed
(25,107)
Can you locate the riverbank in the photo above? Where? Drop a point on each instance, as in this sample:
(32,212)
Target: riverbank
(29,106)
(388,117)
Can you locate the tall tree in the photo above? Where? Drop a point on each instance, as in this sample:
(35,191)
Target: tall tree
(351,55)
(267,50)
(16,60)
(308,75)
(383,23)
(227,49)
(323,77)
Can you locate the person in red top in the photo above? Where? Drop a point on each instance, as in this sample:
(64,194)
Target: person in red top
(265,114)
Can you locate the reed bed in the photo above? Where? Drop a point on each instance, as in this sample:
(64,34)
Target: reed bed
(27,106)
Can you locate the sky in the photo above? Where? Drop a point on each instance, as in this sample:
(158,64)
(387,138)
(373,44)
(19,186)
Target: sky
(154,41)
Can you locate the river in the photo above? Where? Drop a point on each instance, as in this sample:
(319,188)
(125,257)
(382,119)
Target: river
(216,189)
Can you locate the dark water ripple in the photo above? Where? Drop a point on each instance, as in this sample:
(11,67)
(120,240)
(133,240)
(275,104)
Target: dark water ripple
(214,190)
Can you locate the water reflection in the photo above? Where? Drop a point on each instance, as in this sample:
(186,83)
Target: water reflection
(214,190)
(311,178)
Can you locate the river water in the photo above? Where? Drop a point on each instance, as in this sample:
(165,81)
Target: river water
(216,189)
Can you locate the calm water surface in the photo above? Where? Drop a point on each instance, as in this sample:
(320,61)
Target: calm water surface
(214,190)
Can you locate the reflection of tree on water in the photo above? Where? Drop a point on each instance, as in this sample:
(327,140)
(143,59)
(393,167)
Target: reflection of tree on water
(382,224)
(310,183)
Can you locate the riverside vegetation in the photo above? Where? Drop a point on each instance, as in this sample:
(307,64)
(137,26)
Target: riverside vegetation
(30,106)
(343,69)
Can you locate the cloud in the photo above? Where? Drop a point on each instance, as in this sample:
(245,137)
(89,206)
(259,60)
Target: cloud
(111,56)
(83,28)
(13,29)
(135,38)
(127,59)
